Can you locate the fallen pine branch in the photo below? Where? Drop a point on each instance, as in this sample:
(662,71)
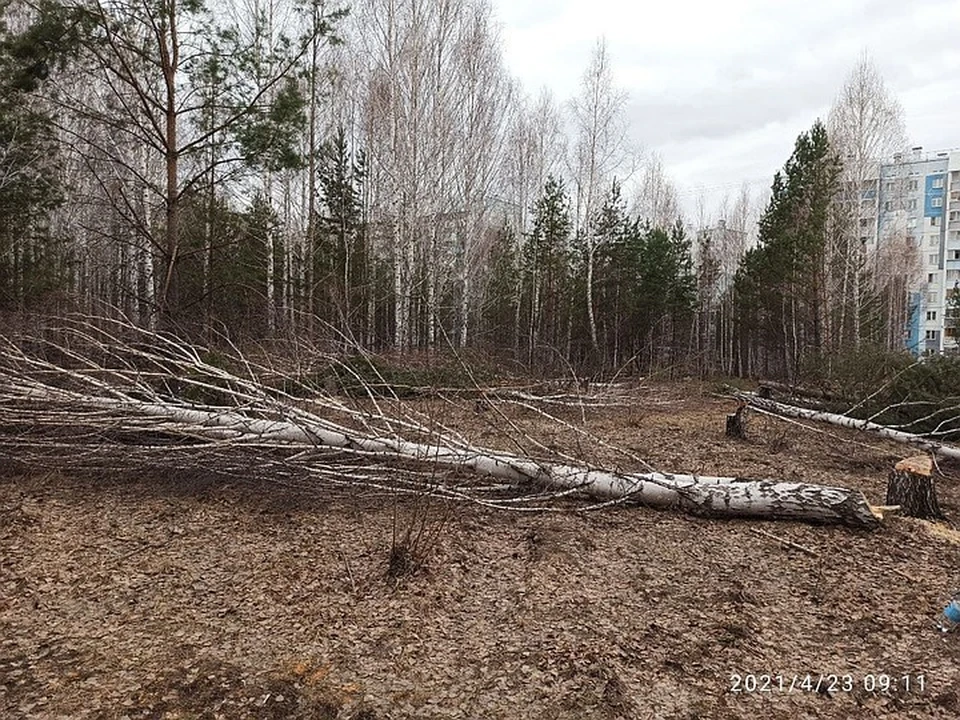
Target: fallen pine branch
(102,381)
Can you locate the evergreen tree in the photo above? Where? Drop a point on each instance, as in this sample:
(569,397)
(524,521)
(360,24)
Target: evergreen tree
(666,292)
(180,87)
(339,256)
(781,285)
(615,274)
(546,271)
(33,263)
(501,308)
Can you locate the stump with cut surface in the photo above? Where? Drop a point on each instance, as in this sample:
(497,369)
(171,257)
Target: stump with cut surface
(911,486)
(736,423)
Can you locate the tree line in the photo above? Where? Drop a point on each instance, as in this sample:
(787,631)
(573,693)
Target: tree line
(373,177)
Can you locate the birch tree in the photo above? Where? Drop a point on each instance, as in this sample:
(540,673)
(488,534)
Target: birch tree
(655,198)
(866,126)
(599,152)
(483,99)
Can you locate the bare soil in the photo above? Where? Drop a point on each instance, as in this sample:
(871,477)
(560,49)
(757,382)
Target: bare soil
(189,597)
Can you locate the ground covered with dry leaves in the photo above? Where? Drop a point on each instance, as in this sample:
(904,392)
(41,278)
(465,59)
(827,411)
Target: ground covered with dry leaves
(191,597)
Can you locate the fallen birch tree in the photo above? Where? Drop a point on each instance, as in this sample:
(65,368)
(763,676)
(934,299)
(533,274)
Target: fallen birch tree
(111,378)
(785,410)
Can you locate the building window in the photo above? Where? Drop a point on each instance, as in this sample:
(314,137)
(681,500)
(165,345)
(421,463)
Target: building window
(955,254)
(932,298)
(933,259)
(937,183)
(931,314)
(913,205)
(888,205)
(934,202)
(954,215)
(931,335)
(931,277)
(912,223)
(912,185)
(889,187)
(935,221)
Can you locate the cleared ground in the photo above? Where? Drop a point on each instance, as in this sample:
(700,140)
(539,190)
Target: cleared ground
(188,597)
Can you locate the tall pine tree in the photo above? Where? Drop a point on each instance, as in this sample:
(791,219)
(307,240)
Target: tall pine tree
(781,282)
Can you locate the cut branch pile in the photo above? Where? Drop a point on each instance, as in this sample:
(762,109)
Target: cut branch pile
(114,394)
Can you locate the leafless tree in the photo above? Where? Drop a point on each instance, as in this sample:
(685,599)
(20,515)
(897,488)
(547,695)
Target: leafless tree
(866,127)
(435,115)
(111,385)
(599,152)
(655,198)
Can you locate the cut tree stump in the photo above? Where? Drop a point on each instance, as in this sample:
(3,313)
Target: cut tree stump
(736,423)
(911,486)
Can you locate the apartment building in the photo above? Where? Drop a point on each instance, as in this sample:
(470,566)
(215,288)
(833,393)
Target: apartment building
(916,198)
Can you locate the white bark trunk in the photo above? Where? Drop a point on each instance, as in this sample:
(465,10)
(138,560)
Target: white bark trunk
(849,422)
(712,496)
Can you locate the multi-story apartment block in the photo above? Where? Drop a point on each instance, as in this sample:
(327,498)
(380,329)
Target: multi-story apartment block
(915,198)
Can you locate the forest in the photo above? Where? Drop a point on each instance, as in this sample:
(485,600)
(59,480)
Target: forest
(371,177)
(344,377)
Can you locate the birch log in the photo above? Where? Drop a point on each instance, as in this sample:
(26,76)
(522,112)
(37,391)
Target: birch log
(55,396)
(785,410)
(701,495)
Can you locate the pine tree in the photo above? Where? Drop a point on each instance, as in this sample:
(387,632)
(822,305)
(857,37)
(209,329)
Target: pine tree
(666,293)
(781,285)
(501,307)
(339,256)
(33,262)
(615,275)
(546,269)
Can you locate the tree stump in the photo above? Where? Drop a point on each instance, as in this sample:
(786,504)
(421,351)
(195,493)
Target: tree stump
(911,487)
(736,423)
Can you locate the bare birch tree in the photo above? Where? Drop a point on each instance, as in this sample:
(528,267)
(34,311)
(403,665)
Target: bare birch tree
(655,198)
(599,152)
(483,99)
(866,127)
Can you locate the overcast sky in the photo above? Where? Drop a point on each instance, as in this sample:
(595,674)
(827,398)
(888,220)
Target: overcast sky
(722,88)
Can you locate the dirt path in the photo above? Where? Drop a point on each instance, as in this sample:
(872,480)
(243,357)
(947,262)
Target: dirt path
(183,598)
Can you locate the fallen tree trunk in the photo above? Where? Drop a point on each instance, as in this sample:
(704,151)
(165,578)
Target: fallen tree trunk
(702,495)
(785,410)
(58,396)
(802,392)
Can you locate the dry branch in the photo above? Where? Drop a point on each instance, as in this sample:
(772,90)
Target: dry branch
(100,382)
(785,542)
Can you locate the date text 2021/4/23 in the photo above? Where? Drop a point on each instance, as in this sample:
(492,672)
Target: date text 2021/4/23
(827,683)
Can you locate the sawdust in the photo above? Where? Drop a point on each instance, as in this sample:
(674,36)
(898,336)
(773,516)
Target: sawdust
(180,597)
